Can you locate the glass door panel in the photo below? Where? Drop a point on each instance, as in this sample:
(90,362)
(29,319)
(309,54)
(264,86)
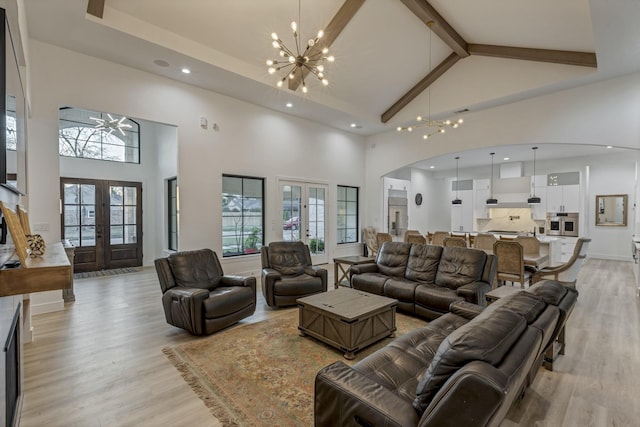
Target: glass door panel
(304,216)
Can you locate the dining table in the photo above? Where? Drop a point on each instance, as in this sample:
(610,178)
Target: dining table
(538,260)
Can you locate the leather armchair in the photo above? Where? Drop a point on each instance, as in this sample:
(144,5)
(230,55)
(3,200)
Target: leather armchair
(287,274)
(198,297)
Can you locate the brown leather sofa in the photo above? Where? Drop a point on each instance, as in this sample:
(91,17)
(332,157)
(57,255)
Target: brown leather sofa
(465,368)
(287,273)
(426,279)
(198,297)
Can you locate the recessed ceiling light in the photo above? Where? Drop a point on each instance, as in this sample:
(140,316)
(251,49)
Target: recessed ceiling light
(289,105)
(609,146)
(353,125)
(432,167)
(506,158)
(186,70)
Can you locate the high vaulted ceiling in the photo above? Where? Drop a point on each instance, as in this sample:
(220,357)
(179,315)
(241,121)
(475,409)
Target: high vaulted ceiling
(382,53)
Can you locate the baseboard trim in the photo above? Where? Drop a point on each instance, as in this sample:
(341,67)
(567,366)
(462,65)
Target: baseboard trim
(47,307)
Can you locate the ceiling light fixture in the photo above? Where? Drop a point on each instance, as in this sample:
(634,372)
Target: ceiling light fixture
(491,200)
(457,200)
(533,199)
(186,71)
(289,105)
(432,126)
(295,62)
(111,124)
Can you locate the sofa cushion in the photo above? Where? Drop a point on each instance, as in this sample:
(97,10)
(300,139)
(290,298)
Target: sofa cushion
(226,300)
(488,338)
(369,282)
(551,291)
(288,258)
(297,285)
(402,290)
(392,258)
(436,297)
(195,269)
(525,304)
(423,263)
(460,266)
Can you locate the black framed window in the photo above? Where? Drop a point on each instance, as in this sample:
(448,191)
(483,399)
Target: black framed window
(172,218)
(347,214)
(243,210)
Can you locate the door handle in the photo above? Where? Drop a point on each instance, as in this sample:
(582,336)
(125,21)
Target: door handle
(98,231)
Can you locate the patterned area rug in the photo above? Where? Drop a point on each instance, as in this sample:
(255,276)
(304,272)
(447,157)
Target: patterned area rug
(262,374)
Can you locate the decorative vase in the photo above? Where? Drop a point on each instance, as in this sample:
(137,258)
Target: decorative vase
(36,245)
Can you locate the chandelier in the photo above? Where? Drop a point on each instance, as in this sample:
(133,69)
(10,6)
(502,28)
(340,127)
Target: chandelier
(431,126)
(294,61)
(111,124)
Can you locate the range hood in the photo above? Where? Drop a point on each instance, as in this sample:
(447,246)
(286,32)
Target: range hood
(511,205)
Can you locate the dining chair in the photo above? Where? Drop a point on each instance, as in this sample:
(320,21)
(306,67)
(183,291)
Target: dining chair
(415,238)
(454,241)
(530,246)
(409,233)
(382,238)
(429,237)
(472,240)
(510,266)
(567,273)
(370,239)
(484,241)
(438,237)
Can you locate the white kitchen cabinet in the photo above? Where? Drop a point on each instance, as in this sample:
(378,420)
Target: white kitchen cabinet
(462,215)
(482,191)
(563,198)
(539,210)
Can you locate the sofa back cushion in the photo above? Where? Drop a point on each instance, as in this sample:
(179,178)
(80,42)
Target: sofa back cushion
(392,258)
(487,338)
(460,266)
(423,263)
(196,269)
(289,258)
(525,304)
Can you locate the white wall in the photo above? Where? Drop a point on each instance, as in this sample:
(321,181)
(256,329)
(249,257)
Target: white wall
(158,148)
(250,140)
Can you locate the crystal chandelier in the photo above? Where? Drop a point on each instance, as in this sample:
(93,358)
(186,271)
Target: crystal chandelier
(294,61)
(431,126)
(111,124)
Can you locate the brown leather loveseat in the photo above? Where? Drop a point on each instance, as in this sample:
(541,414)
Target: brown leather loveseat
(426,279)
(465,368)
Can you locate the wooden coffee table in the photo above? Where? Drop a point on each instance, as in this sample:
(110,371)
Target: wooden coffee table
(347,319)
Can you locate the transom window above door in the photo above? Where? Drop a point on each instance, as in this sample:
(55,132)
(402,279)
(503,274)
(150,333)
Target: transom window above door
(97,135)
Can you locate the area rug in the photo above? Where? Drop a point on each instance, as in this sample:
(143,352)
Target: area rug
(262,374)
(107,272)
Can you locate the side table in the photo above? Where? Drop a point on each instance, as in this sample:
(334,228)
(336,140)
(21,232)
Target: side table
(340,262)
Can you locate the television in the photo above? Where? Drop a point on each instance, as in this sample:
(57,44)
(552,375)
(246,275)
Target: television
(13,141)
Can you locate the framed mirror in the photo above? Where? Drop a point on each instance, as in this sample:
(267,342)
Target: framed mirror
(611,210)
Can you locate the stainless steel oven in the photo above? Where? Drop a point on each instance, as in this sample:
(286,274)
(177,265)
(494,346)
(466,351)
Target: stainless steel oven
(562,224)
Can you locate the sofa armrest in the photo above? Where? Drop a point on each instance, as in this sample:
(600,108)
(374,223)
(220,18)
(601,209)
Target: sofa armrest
(474,292)
(465,309)
(344,397)
(369,267)
(320,272)
(234,280)
(465,385)
(269,278)
(183,307)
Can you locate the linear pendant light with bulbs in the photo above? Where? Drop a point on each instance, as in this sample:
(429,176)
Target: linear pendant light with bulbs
(534,200)
(457,200)
(491,200)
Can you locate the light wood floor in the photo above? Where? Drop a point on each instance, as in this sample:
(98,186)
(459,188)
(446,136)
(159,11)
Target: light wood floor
(99,362)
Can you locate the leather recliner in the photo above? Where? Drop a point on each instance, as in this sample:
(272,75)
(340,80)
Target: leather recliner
(287,274)
(198,297)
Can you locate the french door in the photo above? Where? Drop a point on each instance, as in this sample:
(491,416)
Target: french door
(304,216)
(103,220)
